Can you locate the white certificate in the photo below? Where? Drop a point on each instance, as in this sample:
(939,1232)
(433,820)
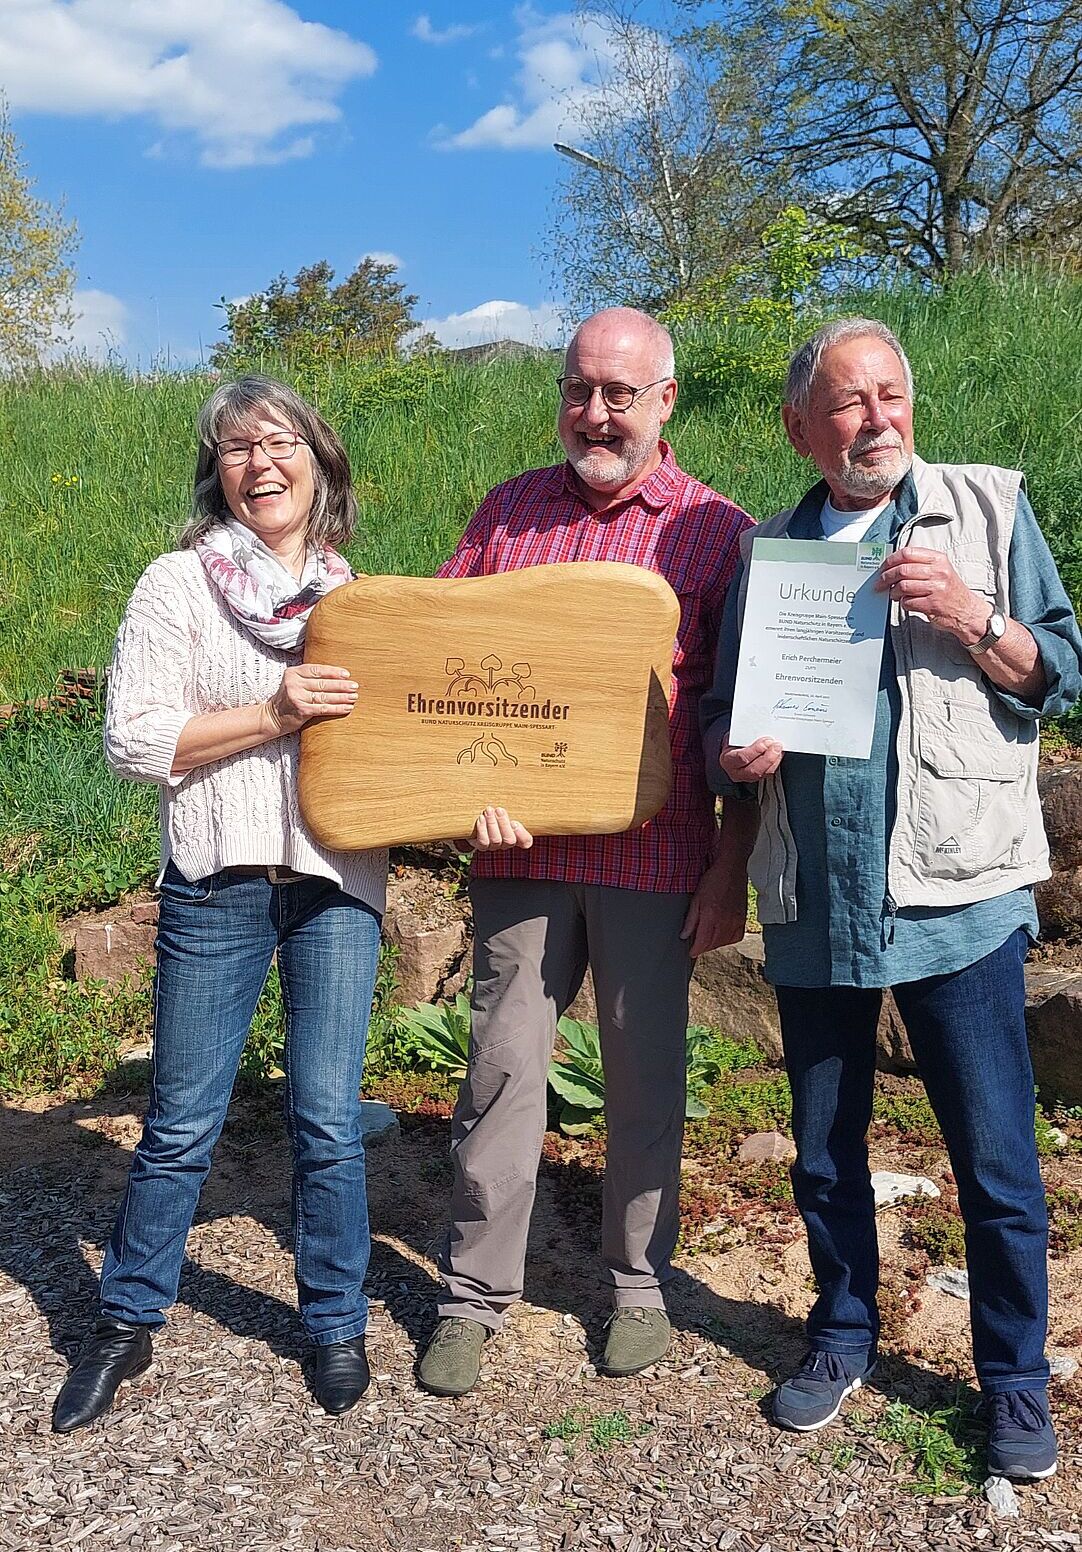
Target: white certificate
(811,647)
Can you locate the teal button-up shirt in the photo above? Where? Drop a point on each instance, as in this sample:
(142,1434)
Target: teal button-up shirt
(841,811)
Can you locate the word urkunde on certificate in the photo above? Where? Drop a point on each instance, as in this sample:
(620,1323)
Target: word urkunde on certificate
(811,647)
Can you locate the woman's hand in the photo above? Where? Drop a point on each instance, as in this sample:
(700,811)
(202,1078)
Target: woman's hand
(307,691)
(495,831)
(750,762)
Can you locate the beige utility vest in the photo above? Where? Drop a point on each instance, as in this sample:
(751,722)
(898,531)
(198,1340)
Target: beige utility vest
(968,822)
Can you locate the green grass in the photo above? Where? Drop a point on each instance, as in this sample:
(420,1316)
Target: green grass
(97,468)
(602,1430)
(95,480)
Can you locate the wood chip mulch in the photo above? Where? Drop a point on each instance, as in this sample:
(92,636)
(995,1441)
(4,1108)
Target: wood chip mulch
(219,1444)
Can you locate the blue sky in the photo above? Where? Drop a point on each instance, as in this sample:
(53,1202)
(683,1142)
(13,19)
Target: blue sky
(203,146)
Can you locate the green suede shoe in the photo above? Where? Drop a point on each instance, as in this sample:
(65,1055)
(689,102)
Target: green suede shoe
(452,1359)
(637,1338)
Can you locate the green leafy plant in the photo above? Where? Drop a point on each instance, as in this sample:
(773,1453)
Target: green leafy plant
(568,1426)
(602,1429)
(576,1076)
(1044,1132)
(709,1057)
(1065,1220)
(609,1428)
(938,1231)
(943,1445)
(437,1036)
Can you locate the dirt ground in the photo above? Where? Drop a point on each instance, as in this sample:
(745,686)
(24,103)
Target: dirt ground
(220,1443)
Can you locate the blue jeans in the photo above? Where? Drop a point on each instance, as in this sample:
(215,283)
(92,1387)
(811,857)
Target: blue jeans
(216,940)
(968,1034)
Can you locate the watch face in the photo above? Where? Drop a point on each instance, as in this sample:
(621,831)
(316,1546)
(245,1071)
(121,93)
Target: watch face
(997,625)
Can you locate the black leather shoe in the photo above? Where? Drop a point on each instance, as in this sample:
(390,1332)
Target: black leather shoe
(113,1352)
(342,1376)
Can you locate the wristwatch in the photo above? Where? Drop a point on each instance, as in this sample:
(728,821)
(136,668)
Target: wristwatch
(997,624)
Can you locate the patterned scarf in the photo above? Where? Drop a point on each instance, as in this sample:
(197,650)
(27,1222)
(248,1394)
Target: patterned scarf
(262,594)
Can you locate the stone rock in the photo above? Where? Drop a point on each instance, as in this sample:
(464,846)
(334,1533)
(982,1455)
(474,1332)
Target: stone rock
(893,1051)
(378,1122)
(1059,898)
(890,1188)
(767,1147)
(110,951)
(1062,1366)
(430,951)
(1057,1137)
(1054,1026)
(144,911)
(138,1053)
(950,1279)
(1002,1497)
(730,993)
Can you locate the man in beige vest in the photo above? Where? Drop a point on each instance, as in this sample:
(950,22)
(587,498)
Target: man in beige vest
(912,869)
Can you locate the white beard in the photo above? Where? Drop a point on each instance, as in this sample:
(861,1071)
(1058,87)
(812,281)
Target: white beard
(879,481)
(598,467)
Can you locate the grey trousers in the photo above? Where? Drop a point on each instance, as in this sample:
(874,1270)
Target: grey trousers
(532,942)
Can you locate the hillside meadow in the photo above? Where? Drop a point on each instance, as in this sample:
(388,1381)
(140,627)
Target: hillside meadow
(94,480)
(96,467)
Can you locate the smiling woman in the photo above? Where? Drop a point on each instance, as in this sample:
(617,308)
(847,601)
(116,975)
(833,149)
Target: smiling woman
(206,698)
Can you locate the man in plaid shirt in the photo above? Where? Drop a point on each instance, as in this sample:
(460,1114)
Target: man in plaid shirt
(638,906)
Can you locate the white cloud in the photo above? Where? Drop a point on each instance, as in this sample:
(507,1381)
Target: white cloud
(424,30)
(242,79)
(99,327)
(563,64)
(542,325)
(381,256)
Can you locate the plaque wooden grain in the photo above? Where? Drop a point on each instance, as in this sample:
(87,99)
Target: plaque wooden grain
(545,690)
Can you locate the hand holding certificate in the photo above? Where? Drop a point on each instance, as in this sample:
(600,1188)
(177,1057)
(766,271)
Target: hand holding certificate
(811,647)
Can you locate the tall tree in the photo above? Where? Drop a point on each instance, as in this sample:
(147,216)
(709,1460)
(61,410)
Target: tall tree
(35,278)
(368,313)
(660,194)
(942,132)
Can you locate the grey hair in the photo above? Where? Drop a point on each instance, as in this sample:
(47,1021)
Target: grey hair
(805,364)
(238,407)
(659,337)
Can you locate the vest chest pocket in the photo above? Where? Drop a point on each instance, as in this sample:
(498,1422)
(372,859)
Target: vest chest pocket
(970,810)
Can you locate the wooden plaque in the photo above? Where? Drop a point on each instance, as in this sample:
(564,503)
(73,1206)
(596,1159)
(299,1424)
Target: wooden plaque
(545,690)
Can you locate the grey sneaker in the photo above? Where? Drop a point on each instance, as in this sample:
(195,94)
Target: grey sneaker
(813,1397)
(452,1359)
(637,1338)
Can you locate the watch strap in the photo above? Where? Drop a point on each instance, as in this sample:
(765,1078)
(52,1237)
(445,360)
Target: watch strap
(991,635)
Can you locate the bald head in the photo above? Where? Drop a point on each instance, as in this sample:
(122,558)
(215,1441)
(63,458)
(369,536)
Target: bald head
(614,449)
(624,331)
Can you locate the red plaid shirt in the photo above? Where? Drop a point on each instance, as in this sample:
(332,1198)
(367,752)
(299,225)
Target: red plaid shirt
(688,534)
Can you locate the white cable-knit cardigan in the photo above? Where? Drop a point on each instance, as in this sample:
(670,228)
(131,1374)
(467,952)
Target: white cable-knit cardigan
(179,651)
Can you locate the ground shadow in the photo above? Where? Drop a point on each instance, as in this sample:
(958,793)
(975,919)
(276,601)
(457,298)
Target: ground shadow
(62,1197)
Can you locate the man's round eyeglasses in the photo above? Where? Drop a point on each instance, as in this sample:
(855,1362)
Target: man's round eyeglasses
(617,396)
(280,445)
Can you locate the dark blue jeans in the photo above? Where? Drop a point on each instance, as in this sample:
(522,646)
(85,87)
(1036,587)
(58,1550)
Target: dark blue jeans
(968,1035)
(216,939)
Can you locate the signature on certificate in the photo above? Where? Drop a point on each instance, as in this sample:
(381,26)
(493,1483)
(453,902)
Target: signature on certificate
(809,706)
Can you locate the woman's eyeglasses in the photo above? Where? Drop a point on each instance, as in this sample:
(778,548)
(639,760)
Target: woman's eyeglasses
(280,445)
